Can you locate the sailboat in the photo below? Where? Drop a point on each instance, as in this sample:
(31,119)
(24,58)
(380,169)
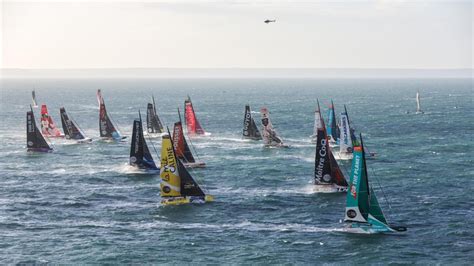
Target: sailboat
(345,140)
(140,156)
(317,122)
(35,141)
(270,136)
(363,213)
(108,131)
(328,177)
(250,128)
(71,128)
(355,142)
(192,124)
(33,98)
(48,127)
(418,107)
(153,122)
(177,185)
(332,128)
(181,147)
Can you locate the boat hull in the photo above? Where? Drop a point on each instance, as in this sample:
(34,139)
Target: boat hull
(195,165)
(344,156)
(366,228)
(276,146)
(331,188)
(186,200)
(39,150)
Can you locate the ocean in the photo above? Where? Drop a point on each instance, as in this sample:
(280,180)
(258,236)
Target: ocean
(83,204)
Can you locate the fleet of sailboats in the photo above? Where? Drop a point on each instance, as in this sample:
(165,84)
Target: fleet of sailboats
(363,213)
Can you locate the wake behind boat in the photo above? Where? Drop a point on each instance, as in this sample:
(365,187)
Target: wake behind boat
(177,185)
(250,130)
(328,177)
(140,156)
(363,213)
(35,141)
(71,128)
(108,131)
(193,126)
(270,136)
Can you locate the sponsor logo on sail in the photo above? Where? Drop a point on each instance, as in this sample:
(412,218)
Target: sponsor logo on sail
(355,181)
(351,213)
(322,154)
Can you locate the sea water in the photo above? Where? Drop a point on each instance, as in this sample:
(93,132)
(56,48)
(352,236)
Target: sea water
(84,204)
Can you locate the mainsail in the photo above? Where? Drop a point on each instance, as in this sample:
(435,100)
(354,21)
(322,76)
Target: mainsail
(48,128)
(363,213)
(345,141)
(70,127)
(270,136)
(317,122)
(250,128)
(192,124)
(33,98)
(326,169)
(180,145)
(153,121)
(34,139)
(140,155)
(107,129)
(418,107)
(332,128)
(177,186)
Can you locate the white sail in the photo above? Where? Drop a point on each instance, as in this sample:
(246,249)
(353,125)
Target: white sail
(345,142)
(418,107)
(270,136)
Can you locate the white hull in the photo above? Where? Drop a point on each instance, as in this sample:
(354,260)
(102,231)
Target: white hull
(195,165)
(276,145)
(332,188)
(344,156)
(154,135)
(86,140)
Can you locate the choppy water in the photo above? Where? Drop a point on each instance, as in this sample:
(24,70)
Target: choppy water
(82,204)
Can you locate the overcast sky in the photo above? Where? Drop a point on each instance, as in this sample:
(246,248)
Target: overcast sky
(225,34)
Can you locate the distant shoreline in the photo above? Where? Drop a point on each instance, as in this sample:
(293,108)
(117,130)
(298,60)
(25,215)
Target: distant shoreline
(186,73)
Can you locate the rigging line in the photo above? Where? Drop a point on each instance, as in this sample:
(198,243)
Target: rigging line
(192,146)
(381,188)
(149,139)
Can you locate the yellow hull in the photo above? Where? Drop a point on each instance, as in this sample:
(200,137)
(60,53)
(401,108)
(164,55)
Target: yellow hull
(186,200)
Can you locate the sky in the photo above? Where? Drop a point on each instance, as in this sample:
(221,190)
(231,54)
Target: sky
(231,34)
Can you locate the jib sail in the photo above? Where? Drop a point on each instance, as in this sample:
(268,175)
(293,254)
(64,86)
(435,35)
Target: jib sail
(192,124)
(34,139)
(140,155)
(250,128)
